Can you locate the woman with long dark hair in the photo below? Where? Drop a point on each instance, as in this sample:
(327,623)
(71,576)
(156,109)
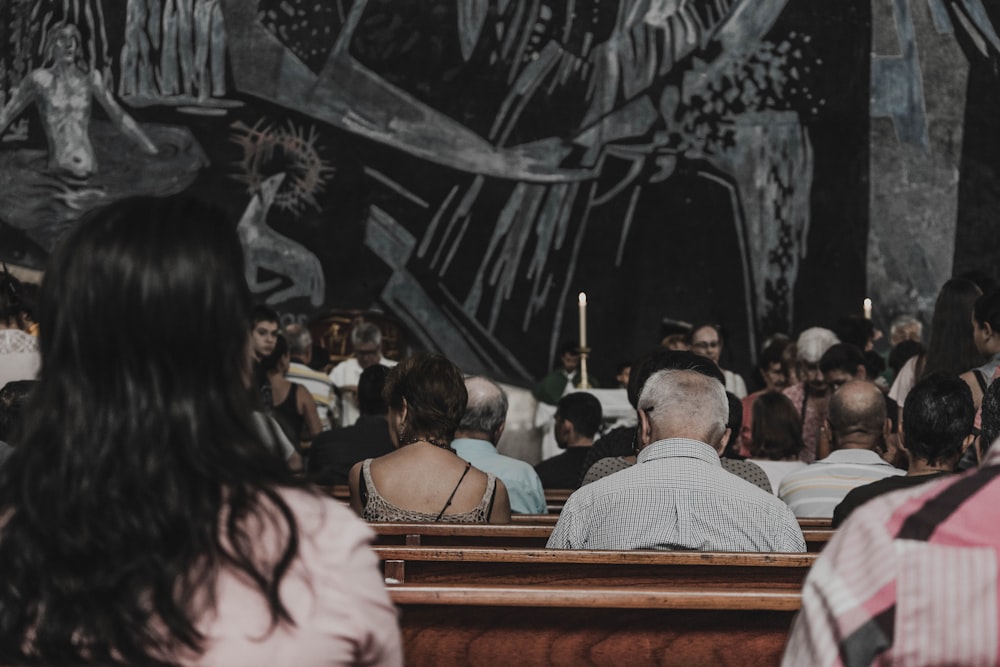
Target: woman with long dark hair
(952,348)
(143,518)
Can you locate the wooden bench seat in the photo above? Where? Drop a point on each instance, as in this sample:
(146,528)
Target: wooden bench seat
(510,566)
(474,624)
(510,535)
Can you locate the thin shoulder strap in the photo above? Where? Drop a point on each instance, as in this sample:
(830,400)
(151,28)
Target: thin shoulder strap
(981,379)
(453,492)
(489,508)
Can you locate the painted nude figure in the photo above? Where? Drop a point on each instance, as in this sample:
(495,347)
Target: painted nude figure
(63,89)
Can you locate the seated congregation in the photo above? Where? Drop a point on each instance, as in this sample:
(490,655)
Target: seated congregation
(179,510)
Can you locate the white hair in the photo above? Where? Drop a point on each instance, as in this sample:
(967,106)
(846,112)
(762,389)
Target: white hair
(813,344)
(684,403)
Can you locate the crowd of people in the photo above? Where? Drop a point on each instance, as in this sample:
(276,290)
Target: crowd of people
(157,480)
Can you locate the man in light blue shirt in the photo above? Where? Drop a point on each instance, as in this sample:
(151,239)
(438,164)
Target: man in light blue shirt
(476,439)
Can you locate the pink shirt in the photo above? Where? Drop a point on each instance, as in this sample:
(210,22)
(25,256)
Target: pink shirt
(334,591)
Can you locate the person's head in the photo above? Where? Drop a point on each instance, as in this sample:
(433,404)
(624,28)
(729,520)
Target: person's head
(810,347)
(990,419)
(277,362)
(486,411)
(64,45)
(986,323)
(683,404)
(771,366)
(857,416)
(263,331)
(299,343)
(937,420)
(661,359)
(952,347)
(144,344)
(622,373)
(569,356)
(857,331)
(842,363)
(903,352)
(677,342)
(777,428)
(366,340)
(905,327)
(577,419)
(733,425)
(706,340)
(13,397)
(371,385)
(426,398)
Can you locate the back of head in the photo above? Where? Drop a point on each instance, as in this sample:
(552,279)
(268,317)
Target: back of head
(371,386)
(857,411)
(433,390)
(842,357)
(13,397)
(854,329)
(661,359)
(952,348)
(299,340)
(486,410)
(777,428)
(937,417)
(813,343)
(143,337)
(685,404)
(990,426)
(903,352)
(583,411)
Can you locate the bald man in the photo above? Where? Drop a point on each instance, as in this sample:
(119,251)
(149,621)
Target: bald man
(677,495)
(476,440)
(858,428)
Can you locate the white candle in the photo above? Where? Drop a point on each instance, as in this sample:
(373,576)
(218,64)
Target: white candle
(583,320)
(868,309)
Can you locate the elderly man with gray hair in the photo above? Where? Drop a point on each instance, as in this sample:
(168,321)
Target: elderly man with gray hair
(678,496)
(366,344)
(476,441)
(811,395)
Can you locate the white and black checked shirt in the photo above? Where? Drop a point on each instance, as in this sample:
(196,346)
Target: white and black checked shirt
(677,496)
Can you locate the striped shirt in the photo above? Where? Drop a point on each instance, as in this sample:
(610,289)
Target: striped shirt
(676,496)
(817,490)
(911,578)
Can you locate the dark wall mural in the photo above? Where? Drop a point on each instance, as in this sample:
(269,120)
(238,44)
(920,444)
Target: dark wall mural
(469,166)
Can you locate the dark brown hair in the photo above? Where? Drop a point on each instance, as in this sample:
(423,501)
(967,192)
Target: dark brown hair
(776,433)
(435,395)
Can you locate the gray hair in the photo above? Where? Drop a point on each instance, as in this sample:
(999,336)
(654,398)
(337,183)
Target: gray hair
(487,406)
(299,339)
(683,400)
(905,321)
(366,332)
(813,343)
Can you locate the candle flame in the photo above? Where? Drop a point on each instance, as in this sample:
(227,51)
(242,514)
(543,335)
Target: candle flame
(868,304)
(583,299)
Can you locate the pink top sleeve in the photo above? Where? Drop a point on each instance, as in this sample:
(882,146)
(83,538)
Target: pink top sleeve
(334,592)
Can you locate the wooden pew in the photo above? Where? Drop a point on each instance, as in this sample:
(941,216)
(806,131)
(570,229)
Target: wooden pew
(563,567)
(510,535)
(474,624)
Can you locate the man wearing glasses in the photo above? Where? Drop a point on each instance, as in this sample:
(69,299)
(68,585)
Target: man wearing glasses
(366,341)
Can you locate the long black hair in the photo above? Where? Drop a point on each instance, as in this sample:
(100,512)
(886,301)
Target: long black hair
(139,474)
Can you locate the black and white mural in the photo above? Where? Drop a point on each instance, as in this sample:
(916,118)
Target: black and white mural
(469,166)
